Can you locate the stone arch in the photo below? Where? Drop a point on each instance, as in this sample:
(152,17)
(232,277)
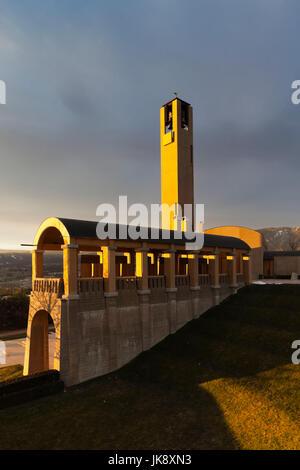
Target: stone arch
(51,232)
(37,342)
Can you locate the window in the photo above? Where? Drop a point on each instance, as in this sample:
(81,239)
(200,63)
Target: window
(185,116)
(168,118)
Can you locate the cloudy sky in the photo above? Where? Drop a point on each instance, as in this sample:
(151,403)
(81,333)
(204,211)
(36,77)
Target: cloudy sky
(85,81)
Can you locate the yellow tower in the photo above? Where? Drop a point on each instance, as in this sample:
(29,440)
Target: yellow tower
(177,168)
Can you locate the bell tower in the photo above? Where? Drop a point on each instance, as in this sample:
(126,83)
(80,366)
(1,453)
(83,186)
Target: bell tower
(177,166)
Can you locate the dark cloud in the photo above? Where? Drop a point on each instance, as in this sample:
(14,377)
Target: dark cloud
(85,85)
(78,100)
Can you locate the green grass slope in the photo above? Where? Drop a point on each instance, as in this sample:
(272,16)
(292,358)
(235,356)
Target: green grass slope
(11,372)
(224,381)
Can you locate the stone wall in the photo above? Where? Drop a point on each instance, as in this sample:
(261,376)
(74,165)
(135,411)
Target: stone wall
(96,341)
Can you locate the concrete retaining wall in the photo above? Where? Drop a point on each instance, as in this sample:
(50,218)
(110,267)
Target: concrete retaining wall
(95,342)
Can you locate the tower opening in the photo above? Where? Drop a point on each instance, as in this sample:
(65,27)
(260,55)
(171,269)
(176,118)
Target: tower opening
(168,118)
(185,116)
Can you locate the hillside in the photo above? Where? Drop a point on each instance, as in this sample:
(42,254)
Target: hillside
(281,238)
(224,381)
(15,268)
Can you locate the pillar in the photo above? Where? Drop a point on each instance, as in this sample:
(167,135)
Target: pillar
(214,275)
(170,267)
(70,256)
(247,268)
(37,264)
(112,312)
(141,267)
(141,271)
(99,268)
(231,263)
(214,269)
(193,262)
(109,268)
(170,270)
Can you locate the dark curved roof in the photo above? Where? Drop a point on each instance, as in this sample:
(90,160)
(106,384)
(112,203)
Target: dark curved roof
(223,241)
(87,229)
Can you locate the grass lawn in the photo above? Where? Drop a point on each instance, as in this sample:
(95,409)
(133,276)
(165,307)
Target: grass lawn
(224,381)
(10,337)
(11,372)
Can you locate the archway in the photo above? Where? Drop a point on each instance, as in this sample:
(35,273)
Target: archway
(37,356)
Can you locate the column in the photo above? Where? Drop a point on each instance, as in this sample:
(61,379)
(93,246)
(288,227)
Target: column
(141,271)
(214,269)
(37,264)
(247,268)
(231,263)
(70,256)
(214,275)
(193,262)
(170,267)
(141,267)
(109,268)
(170,270)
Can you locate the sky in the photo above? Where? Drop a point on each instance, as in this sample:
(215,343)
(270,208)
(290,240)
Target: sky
(85,82)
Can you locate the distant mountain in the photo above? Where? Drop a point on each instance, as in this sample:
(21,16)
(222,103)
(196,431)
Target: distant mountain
(22,259)
(281,238)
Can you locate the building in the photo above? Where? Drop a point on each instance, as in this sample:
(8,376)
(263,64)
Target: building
(281,264)
(119,297)
(252,238)
(177,165)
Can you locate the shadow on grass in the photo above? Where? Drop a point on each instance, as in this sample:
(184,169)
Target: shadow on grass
(248,333)
(157,401)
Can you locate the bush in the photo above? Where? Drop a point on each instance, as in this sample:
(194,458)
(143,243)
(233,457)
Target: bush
(21,390)
(14,311)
